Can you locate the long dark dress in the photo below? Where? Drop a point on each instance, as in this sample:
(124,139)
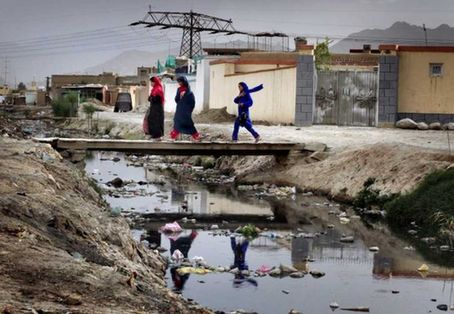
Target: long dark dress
(182,121)
(156,117)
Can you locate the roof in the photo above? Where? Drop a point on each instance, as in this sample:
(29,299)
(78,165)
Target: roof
(416,48)
(227,51)
(82,86)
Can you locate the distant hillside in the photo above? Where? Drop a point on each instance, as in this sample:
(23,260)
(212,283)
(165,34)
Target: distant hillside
(127,62)
(400,33)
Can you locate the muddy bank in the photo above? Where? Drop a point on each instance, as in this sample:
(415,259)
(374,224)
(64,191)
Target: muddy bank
(60,249)
(396,168)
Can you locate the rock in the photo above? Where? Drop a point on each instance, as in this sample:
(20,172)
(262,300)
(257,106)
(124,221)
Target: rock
(412,232)
(330,226)
(444,248)
(448,126)
(275,272)
(433,300)
(116,183)
(347,239)
(214,227)
(317,274)
(423,126)
(115,211)
(319,155)
(293,311)
(234,271)
(116,159)
(73,299)
(429,240)
(285,269)
(406,124)
(297,275)
(285,291)
(334,305)
(442,307)
(435,126)
(356,309)
(208,162)
(374,249)
(161,249)
(395,291)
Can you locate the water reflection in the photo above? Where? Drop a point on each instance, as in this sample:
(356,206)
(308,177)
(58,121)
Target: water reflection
(153,192)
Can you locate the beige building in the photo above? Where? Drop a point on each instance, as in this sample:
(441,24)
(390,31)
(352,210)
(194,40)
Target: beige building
(276,71)
(424,82)
(4,90)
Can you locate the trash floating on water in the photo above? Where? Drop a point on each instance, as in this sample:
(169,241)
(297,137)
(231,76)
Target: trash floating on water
(356,309)
(334,305)
(374,249)
(423,268)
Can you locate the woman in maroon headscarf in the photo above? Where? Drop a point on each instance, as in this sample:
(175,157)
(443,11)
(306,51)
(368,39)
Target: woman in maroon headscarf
(156,114)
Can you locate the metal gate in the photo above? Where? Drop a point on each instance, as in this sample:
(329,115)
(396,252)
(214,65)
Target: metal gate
(346,98)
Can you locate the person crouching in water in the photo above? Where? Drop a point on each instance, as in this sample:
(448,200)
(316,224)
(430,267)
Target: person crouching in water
(244,101)
(182,121)
(156,113)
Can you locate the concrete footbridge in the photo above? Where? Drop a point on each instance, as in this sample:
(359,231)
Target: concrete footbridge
(184,148)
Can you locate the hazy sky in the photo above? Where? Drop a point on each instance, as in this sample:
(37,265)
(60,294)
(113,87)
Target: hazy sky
(41,37)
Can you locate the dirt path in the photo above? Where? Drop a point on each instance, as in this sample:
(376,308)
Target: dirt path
(337,138)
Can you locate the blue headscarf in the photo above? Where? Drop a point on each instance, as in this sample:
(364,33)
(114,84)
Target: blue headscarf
(248,91)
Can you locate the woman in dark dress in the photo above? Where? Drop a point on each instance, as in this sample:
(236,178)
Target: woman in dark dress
(182,122)
(156,113)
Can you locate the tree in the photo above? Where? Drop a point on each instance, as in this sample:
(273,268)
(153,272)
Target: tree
(21,86)
(322,55)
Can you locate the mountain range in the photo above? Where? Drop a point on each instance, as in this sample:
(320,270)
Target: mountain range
(400,33)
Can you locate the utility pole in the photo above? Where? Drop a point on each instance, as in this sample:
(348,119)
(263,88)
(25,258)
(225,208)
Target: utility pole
(192,24)
(425,33)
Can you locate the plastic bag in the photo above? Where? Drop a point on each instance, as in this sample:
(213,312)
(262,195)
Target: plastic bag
(171,227)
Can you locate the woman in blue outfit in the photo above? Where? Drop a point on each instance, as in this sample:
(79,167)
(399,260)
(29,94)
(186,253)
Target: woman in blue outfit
(182,121)
(244,101)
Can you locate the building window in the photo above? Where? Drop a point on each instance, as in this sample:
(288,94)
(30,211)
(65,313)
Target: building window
(436,69)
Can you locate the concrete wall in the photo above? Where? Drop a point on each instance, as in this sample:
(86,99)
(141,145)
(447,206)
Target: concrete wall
(419,92)
(170,90)
(275,103)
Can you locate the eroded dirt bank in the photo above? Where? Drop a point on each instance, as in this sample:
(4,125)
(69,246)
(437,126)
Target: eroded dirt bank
(60,249)
(396,168)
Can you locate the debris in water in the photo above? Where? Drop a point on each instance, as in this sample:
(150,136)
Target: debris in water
(317,274)
(423,268)
(374,249)
(334,305)
(356,309)
(442,307)
(347,239)
(285,291)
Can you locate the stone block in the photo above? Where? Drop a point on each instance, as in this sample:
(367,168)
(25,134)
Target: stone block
(391,76)
(390,92)
(384,67)
(307,91)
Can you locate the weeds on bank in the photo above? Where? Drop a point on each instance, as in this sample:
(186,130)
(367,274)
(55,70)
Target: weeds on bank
(430,205)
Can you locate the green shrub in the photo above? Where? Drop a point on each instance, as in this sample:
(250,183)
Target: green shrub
(430,205)
(66,106)
(369,196)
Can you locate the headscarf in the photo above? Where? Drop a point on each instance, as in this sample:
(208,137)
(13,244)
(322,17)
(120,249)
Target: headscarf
(157,89)
(246,89)
(185,87)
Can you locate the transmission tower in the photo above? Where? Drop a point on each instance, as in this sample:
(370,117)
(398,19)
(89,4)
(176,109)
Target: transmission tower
(193,24)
